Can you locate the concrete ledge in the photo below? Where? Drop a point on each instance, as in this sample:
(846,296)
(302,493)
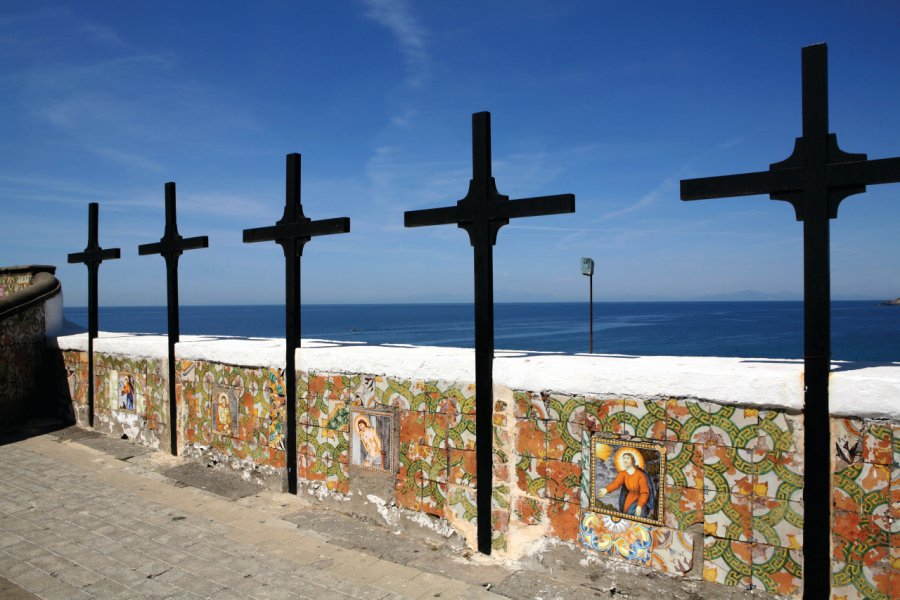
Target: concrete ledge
(857,389)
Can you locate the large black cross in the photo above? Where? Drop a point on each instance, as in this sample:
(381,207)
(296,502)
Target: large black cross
(482,213)
(814,179)
(171,245)
(291,233)
(92,256)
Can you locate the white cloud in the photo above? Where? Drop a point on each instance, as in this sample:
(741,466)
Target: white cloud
(396,16)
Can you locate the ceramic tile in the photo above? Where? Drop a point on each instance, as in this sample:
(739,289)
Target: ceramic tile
(729,426)
(461,432)
(858,540)
(529,406)
(686,421)
(529,477)
(862,487)
(564,520)
(779,475)
(334,474)
(529,511)
(727,515)
(777,570)
(780,431)
(531,438)
(434,498)
(651,418)
(684,465)
(846,436)
(461,504)
(683,507)
(728,470)
(727,562)
(330,444)
(462,467)
(877,443)
(565,408)
(564,441)
(672,551)
(600,416)
(619,539)
(778,522)
(563,479)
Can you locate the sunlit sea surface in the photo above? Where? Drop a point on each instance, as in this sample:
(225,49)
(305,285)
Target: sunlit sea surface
(861,330)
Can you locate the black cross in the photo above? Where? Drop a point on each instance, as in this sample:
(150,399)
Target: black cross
(482,213)
(171,245)
(92,256)
(814,179)
(291,233)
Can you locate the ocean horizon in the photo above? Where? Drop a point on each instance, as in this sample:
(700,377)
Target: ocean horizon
(862,330)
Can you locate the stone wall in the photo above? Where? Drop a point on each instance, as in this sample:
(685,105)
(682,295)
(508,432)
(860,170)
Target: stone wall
(29,305)
(726,476)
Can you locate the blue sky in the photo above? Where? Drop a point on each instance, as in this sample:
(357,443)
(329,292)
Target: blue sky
(612,101)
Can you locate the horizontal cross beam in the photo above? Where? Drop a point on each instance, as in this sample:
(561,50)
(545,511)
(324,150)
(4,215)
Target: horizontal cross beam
(470,213)
(294,231)
(95,256)
(174,246)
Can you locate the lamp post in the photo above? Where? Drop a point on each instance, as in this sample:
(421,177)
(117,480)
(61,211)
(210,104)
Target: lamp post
(587,268)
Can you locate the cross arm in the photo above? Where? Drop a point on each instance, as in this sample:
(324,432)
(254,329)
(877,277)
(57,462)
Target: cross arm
(865,172)
(538,206)
(178,245)
(431,216)
(745,184)
(95,255)
(302,229)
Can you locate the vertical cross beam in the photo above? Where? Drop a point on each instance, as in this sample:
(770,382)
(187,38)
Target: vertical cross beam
(814,179)
(171,246)
(482,213)
(292,232)
(92,256)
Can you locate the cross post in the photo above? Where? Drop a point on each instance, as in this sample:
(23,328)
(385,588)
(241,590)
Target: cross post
(92,256)
(814,179)
(171,245)
(482,213)
(292,232)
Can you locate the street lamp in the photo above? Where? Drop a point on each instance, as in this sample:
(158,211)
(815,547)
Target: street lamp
(587,268)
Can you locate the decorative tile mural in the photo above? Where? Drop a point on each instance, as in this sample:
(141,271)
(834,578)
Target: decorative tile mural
(372,439)
(647,481)
(635,469)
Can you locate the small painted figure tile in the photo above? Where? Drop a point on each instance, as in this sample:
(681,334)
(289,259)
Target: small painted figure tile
(371,439)
(633,469)
(225,410)
(126,392)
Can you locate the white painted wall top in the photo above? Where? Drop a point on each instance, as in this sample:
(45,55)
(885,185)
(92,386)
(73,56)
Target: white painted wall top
(872,391)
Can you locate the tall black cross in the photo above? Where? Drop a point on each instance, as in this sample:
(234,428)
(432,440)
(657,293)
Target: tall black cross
(482,213)
(92,256)
(814,179)
(291,233)
(171,245)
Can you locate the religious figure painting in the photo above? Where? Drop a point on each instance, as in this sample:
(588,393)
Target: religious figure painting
(126,392)
(371,439)
(225,410)
(628,479)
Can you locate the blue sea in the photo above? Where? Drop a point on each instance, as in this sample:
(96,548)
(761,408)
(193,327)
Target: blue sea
(861,330)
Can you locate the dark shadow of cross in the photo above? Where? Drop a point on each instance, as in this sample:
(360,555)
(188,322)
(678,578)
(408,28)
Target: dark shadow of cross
(482,213)
(292,233)
(92,256)
(171,246)
(814,179)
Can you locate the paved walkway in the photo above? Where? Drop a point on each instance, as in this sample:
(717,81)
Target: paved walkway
(76,522)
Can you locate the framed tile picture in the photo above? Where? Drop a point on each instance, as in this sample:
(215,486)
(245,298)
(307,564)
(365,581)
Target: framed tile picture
(628,479)
(372,439)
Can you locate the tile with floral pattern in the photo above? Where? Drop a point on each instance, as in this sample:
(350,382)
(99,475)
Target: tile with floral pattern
(778,522)
(683,507)
(728,562)
(862,487)
(846,437)
(778,475)
(730,426)
(780,431)
(686,421)
(529,511)
(777,570)
(462,467)
(728,470)
(564,519)
(684,465)
(461,504)
(563,479)
(727,515)
(877,443)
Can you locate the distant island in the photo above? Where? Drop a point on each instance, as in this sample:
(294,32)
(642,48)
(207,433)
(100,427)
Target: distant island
(894,302)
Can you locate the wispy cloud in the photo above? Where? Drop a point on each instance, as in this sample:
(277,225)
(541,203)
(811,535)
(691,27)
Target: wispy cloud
(666,189)
(396,16)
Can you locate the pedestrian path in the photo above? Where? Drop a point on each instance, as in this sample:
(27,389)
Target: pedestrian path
(78,523)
